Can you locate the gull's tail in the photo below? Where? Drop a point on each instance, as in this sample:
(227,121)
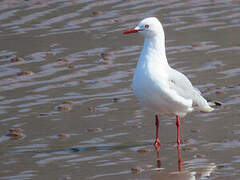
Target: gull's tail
(200,103)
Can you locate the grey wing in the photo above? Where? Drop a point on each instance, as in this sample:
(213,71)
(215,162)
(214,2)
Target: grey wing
(182,85)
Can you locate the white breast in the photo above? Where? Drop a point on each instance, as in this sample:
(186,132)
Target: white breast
(151,87)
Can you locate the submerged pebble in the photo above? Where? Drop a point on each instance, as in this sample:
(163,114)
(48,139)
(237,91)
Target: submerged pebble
(190,149)
(70,66)
(16,59)
(15,133)
(115,99)
(43,114)
(106,55)
(132,124)
(199,156)
(94,130)
(25,73)
(65,106)
(96,13)
(219,92)
(92,109)
(145,150)
(235,132)
(62,60)
(220,166)
(188,141)
(136,170)
(195,130)
(62,136)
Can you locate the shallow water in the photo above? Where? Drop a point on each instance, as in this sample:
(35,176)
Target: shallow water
(70,92)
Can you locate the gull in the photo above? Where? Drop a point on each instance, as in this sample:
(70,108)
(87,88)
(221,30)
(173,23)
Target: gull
(160,88)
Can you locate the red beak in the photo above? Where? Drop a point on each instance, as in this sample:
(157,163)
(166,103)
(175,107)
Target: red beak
(131,30)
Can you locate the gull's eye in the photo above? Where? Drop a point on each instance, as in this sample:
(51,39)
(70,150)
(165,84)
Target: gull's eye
(146,26)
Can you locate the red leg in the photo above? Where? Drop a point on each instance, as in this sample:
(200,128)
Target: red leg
(179,158)
(157,141)
(178,130)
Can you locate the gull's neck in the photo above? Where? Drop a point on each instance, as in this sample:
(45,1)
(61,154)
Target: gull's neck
(154,49)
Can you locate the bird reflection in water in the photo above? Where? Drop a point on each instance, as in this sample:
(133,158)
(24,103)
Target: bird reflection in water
(201,172)
(179,158)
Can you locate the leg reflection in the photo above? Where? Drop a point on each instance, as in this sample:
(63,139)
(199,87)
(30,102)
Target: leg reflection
(179,158)
(158,159)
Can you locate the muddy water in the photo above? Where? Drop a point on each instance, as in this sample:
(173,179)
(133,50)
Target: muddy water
(68,91)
